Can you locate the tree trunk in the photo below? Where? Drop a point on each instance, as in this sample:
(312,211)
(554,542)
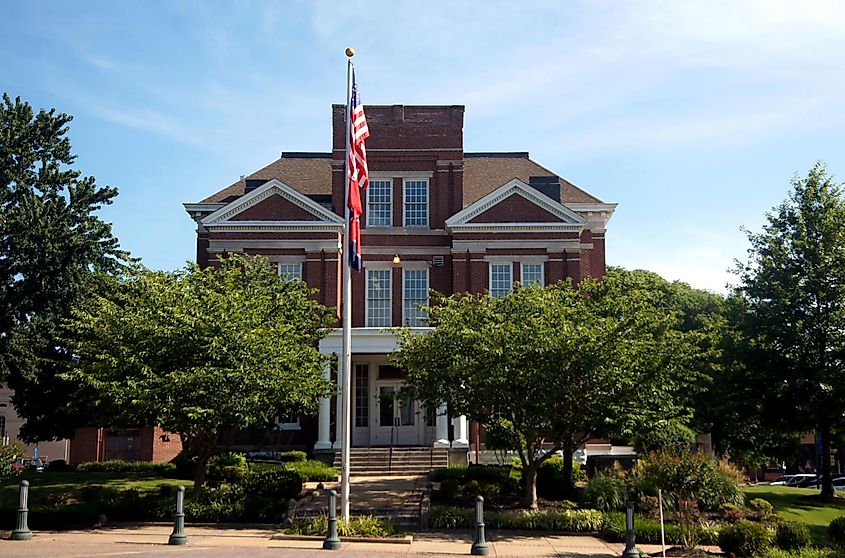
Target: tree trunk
(204,454)
(568,486)
(530,478)
(827,482)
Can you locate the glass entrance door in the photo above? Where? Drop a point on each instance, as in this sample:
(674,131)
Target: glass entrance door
(396,417)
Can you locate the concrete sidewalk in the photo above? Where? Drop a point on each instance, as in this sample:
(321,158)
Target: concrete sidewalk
(144,541)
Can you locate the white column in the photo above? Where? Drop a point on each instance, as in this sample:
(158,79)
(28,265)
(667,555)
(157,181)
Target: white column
(441,428)
(461,435)
(324,440)
(338,423)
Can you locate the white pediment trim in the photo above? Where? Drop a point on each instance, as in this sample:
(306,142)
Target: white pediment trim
(222,218)
(570,220)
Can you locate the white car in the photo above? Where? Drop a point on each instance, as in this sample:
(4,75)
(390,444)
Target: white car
(780,481)
(838,484)
(797,479)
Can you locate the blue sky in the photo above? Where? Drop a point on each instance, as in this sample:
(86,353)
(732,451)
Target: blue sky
(693,116)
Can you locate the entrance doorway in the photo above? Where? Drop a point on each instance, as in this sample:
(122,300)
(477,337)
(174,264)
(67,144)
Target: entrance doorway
(397,420)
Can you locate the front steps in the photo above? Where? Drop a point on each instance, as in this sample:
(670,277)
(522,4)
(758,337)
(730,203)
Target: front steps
(394,460)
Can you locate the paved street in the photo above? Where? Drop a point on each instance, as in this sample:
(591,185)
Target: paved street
(150,540)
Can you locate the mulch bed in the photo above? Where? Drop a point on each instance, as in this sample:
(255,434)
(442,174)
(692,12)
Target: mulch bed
(686,552)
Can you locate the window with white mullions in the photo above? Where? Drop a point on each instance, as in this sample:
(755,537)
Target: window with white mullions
(378,298)
(416,203)
(415,295)
(501,279)
(380,203)
(362,395)
(532,274)
(290,271)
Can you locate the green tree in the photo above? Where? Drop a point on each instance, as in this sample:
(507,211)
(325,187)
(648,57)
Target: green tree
(794,284)
(561,364)
(199,352)
(53,250)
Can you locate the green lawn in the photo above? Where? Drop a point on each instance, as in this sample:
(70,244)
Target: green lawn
(791,503)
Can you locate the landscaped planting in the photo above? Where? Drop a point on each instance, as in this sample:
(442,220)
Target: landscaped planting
(120,466)
(575,521)
(362,526)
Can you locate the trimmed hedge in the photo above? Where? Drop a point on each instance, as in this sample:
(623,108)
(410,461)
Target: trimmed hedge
(363,526)
(121,466)
(836,530)
(575,521)
(745,539)
(293,456)
(792,535)
(314,471)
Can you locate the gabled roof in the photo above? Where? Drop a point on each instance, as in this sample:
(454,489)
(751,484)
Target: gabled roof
(226,216)
(562,218)
(309,173)
(484,172)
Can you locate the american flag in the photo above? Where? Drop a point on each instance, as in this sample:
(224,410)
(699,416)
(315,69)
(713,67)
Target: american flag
(356,164)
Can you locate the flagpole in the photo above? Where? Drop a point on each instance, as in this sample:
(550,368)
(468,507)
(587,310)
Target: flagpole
(346,367)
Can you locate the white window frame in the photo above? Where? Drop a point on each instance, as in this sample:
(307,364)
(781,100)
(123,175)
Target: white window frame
(542,272)
(490,279)
(389,181)
(367,271)
(405,204)
(289,425)
(405,310)
(284,263)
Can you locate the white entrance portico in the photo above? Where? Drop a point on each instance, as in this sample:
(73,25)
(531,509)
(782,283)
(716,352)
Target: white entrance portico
(379,417)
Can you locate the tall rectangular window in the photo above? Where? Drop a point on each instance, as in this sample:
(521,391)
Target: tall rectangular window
(290,271)
(532,274)
(380,203)
(501,279)
(362,395)
(378,298)
(414,295)
(416,203)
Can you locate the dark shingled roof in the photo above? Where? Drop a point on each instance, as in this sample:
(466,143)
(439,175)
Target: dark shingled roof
(311,173)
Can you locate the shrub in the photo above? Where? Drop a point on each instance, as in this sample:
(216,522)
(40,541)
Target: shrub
(293,456)
(488,473)
(121,466)
(363,526)
(744,539)
(648,506)
(450,489)
(455,472)
(227,467)
(224,503)
(8,454)
(281,484)
(669,437)
(791,535)
(59,466)
(836,530)
(805,552)
(761,507)
(606,492)
(731,513)
(313,471)
(648,530)
(579,521)
(550,479)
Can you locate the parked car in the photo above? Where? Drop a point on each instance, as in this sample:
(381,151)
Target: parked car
(799,478)
(838,484)
(807,482)
(780,481)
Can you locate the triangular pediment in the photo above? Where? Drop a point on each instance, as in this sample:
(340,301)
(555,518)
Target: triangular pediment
(273,204)
(515,203)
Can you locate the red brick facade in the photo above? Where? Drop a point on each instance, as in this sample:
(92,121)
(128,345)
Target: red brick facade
(513,213)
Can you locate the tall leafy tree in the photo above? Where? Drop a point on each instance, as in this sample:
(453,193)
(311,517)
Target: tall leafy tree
(53,251)
(199,352)
(560,364)
(794,284)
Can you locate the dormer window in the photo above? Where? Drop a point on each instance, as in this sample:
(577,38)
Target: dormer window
(380,203)
(416,202)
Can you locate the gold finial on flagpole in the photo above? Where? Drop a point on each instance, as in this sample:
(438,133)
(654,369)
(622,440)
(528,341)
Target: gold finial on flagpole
(350,52)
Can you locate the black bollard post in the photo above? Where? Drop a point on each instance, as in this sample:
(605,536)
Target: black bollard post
(479,545)
(630,547)
(178,536)
(22,532)
(332,541)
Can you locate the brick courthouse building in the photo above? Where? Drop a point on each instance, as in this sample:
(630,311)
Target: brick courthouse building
(435,217)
